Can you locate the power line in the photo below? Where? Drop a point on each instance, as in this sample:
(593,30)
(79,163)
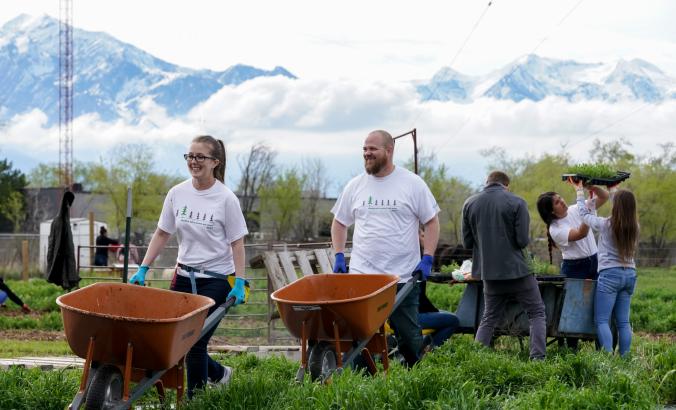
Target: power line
(457,54)
(611,125)
(516,66)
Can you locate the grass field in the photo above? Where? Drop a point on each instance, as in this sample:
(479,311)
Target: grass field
(460,374)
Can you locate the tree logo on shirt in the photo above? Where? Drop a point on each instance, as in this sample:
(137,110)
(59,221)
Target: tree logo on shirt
(380,204)
(193,217)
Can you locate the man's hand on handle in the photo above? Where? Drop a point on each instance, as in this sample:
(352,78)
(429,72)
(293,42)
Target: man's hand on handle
(339,266)
(425,266)
(140,275)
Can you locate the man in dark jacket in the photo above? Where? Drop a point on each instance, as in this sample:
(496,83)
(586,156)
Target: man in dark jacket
(495,226)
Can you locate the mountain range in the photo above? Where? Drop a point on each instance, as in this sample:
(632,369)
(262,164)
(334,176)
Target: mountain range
(113,78)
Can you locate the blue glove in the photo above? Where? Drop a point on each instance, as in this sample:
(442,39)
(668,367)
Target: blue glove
(140,275)
(237,292)
(339,266)
(425,266)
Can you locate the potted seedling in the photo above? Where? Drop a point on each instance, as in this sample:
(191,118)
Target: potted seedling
(595,174)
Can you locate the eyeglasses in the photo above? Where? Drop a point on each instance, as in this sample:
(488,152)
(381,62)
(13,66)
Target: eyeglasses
(198,157)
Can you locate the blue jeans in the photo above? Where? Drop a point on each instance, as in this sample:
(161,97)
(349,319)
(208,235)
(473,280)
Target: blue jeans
(443,323)
(198,363)
(613,296)
(404,322)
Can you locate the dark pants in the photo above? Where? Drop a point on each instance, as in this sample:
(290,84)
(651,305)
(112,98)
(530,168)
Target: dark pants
(584,268)
(443,323)
(525,290)
(101,259)
(198,363)
(404,322)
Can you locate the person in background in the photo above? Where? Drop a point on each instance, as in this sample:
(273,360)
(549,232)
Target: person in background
(102,243)
(443,323)
(6,293)
(207,219)
(618,241)
(387,204)
(567,231)
(495,226)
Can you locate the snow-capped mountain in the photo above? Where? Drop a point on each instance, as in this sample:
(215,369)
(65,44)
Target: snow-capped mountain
(111,77)
(535,78)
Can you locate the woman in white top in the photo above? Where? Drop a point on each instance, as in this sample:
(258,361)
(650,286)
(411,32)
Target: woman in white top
(567,231)
(618,242)
(208,220)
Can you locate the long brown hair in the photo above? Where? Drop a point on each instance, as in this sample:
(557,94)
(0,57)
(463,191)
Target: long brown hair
(624,224)
(217,151)
(545,206)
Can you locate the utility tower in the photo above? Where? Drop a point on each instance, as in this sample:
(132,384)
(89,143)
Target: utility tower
(66,93)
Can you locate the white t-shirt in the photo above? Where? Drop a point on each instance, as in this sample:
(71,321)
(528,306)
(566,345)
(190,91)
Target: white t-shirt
(559,230)
(206,223)
(386,212)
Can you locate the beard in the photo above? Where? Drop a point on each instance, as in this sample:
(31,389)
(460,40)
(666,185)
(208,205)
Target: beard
(375,166)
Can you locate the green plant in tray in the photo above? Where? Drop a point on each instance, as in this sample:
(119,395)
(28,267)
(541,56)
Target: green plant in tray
(593,170)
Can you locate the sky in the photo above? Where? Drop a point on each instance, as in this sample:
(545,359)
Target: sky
(355,61)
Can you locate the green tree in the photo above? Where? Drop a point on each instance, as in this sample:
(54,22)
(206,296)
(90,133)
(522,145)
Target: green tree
(653,181)
(281,203)
(130,165)
(450,193)
(12,182)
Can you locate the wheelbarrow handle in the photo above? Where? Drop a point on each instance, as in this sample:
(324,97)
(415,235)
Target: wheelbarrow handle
(216,316)
(406,289)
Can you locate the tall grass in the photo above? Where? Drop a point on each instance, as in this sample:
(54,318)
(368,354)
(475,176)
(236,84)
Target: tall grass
(460,374)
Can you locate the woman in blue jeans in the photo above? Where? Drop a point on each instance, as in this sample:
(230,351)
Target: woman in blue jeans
(618,240)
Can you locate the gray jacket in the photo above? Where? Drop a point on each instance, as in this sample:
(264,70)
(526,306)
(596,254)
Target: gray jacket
(495,226)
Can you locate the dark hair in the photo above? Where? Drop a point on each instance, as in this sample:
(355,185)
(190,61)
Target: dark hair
(545,206)
(217,151)
(624,224)
(499,177)
(102,230)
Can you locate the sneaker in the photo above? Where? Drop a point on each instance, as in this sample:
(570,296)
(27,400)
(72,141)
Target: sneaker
(227,375)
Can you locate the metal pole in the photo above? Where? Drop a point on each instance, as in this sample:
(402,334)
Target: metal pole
(413,134)
(127,233)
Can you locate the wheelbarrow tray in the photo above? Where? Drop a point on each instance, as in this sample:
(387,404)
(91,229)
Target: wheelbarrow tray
(358,303)
(161,325)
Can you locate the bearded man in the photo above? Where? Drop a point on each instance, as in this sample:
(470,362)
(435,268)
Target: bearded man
(387,204)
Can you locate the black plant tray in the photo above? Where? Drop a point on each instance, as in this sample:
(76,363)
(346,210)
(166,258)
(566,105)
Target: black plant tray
(619,177)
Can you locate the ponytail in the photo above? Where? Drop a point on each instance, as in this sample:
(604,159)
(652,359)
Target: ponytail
(219,171)
(545,205)
(217,151)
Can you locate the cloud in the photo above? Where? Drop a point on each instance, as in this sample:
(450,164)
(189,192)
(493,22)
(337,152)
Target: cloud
(329,120)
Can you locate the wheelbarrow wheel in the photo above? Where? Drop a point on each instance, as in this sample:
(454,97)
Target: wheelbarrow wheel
(322,361)
(105,389)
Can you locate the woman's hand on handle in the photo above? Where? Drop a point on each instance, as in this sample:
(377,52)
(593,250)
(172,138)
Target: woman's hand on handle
(140,275)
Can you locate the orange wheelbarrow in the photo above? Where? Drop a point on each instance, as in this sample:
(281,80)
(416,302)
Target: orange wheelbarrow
(336,314)
(106,322)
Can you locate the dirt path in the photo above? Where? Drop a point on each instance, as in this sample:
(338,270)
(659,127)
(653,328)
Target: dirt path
(40,335)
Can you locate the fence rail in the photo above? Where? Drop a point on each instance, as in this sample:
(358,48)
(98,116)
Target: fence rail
(251,320)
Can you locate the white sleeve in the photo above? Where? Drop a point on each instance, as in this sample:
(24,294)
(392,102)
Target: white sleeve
(167,221)
(342,210)
(559,234)
(235,224)
(427,206)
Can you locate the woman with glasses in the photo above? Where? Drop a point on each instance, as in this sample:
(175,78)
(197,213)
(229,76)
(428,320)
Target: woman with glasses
(208,220)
